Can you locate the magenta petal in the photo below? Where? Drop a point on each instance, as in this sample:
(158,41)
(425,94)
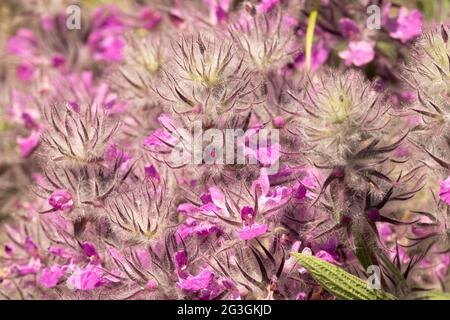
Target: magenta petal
(444,191)
(61,200)
(253,231)
(50,276)
(87,278)
(198,282)
(27,145)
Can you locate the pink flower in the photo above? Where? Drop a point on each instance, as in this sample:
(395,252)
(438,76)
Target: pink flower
(319,55)
(91,252)
(444,191)
(105,40)
(404,27)
(150,18)
(152,173)
(30,247)
(358,53)
(33,266)
(151,285)
(61,200)
(267,5)
(218,10)
(87,278)
(50,276)
(23,44)
(113,154)
(192,227)
(253,231)
(349,29)
(27,145)
(59,252)
(203,281)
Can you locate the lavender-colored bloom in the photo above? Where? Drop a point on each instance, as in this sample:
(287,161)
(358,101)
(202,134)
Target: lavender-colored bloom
(61,200)
(358,53)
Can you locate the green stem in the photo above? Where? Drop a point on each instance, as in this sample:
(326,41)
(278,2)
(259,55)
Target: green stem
(310,32)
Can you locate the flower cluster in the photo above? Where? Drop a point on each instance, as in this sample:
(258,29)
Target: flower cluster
(350,164)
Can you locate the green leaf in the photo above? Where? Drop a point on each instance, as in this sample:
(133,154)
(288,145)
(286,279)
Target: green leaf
(363,252)
(435,295)
(339,282)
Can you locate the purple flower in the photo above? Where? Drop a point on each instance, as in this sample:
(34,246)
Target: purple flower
(27,145)
(349,29)
(198,282)
(91,252)
(61,200)
(373,214)
(358,53)
(444,191)
(404,27)
(51,276)
(248,216)
(151,173)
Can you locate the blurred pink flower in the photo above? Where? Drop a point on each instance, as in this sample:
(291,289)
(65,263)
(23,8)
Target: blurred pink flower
(149,18)
(358,53)
(50,276)
(87,278)
(349,29)
(27,145)
(106,41)
(405,26)
(444,191)
(61,199)
(319,55)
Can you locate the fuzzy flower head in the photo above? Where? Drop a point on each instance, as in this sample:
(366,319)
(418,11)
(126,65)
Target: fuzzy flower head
(430,66)
(207,80)
(342,120)
(74,136)
(143,61)
(140,216)
(265,41)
